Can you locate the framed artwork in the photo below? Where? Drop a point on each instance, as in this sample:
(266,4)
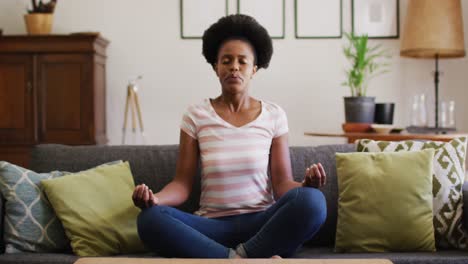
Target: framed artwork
(269,13)
(376,18)
(197,15)
(316,19)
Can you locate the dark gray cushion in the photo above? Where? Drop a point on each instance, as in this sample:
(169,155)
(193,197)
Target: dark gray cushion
(155,166)
(439,257)
(152,165)
(37,258)
(33,258)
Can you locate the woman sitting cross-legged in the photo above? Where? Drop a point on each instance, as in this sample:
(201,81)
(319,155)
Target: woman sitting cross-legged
(244,210)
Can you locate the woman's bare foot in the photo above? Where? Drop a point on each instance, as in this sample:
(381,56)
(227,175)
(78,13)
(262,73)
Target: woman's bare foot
(276,257)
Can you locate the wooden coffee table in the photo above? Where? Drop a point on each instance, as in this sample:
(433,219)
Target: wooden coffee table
(227,261)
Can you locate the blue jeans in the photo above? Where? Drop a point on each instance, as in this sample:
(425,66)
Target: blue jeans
(279,230)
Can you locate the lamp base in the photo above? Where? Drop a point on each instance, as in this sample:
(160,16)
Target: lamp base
(430,130)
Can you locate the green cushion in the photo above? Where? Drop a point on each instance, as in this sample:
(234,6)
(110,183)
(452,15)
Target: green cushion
(385,202)
(96,210)
(448,178)
(30,222)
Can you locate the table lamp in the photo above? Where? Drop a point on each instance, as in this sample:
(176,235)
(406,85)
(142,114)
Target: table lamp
(433,29)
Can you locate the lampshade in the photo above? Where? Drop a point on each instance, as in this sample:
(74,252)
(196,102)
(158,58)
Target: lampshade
(433,27)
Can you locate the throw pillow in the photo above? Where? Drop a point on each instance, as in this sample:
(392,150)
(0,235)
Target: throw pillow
(385,202)
(96,210)
(448,178)
(30,222)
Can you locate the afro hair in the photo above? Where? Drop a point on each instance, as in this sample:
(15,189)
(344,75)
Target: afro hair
(238,27)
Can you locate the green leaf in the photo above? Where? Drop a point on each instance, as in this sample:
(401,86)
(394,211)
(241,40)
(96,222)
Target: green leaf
(366,62)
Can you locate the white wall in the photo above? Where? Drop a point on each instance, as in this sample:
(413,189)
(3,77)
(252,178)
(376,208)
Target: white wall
(304,76)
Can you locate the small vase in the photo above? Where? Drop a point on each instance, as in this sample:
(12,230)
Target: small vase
(38,24)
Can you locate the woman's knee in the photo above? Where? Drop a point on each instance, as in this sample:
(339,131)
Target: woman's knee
(312,203)
(147,219)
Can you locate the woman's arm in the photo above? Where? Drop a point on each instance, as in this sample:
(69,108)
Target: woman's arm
(281,171)
(178,190)
(280,167)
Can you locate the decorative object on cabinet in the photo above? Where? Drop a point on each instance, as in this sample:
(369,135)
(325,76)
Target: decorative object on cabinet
(40,18)
(384,113)
(197,15)
(376,18)
(52,90)
(382,128)
(433,29)
(356,127)
(273,18)
(365,62)
(318,19)
(133,102)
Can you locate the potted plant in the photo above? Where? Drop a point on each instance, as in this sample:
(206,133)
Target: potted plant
(40,18)
(366,62)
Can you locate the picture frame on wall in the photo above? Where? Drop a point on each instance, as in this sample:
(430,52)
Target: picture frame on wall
(197,15)
(376,18)
(272,18)
(318,19)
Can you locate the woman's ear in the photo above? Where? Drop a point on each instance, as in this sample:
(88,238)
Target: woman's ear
(254,70)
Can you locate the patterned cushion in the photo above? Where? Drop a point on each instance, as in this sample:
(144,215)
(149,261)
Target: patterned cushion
(30,222)
(448,178)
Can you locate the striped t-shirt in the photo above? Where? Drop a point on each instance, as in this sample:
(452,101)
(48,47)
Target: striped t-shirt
(234,159)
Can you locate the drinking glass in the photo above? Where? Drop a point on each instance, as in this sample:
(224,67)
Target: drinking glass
(451,115)
(419,110)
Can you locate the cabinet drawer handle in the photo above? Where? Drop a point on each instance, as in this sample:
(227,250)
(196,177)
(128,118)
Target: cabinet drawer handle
(29,88)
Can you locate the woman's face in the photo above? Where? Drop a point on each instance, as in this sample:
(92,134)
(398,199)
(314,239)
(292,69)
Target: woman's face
(235,66)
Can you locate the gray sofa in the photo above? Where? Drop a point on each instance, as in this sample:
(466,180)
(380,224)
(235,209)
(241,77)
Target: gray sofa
(155,165)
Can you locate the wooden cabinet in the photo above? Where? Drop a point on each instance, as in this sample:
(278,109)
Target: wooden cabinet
(52,90)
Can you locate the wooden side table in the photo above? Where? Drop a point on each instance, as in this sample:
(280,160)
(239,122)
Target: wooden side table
(352,137)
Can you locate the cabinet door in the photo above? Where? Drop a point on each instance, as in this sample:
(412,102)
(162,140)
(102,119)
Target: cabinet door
(65,85)
(16,100)
(18,155)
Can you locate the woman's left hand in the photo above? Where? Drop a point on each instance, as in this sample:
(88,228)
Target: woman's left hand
(315,176)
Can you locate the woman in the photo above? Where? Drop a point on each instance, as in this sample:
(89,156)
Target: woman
(243,212)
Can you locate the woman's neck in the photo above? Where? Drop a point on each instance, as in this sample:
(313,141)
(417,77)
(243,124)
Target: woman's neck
(235,103)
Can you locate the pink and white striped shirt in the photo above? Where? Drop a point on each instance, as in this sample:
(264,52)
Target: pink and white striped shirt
(234,159)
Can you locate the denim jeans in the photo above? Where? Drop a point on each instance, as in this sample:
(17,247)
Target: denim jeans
(280,230)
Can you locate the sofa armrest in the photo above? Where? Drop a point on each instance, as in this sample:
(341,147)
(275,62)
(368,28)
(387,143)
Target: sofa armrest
(465,204)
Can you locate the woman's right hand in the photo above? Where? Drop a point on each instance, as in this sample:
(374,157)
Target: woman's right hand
(143,197)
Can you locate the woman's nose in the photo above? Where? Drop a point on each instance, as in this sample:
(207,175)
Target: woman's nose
(235,66)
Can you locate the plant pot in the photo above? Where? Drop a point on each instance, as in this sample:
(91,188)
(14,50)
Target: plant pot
(359,109)
(38,24)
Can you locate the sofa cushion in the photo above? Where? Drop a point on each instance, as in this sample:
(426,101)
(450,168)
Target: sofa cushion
(96,210)
(439,257)
(382,194)
(30,224)
(448,178)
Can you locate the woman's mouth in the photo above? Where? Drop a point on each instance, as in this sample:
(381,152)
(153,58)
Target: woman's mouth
(233,79)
